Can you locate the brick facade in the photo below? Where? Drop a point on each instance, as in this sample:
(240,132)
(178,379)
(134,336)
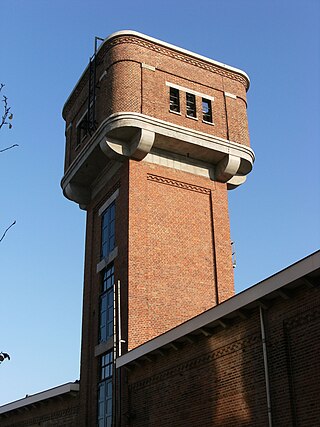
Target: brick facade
(219,379)
(168,173)
(55,407)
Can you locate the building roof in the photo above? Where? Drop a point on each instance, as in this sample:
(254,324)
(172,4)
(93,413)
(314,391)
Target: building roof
(71,388)
(305,272)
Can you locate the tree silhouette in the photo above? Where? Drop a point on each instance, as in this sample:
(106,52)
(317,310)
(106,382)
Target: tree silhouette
(6,121)
(4,356)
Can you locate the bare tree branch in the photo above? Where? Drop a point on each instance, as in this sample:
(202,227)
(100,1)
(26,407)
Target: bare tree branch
(9,148)
(7,115)
(3,235)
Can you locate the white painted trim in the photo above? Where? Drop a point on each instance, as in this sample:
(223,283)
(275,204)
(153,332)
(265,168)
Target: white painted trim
(81,118)
(260,290)
(38,397)
(105,261)
(148,67)
(108,202)
(102,76)
(193,92)
(230,95)
(161,127)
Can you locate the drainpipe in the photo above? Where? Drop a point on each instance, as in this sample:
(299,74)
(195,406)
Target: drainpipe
(265,363)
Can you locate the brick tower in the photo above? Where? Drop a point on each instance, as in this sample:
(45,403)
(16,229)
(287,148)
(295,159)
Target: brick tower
(155,136)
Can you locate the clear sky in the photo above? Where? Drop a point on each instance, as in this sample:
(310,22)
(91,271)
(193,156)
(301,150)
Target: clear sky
(45,45)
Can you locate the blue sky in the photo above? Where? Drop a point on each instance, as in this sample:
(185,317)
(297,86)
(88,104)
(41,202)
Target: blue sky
(45,45)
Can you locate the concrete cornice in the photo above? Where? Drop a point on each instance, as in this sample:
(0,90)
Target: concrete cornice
(134,135)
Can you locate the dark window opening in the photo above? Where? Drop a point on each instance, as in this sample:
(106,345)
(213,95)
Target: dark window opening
(206,110)
(82,129)
(174,100)
(105,391)
(191,105)
(108,230)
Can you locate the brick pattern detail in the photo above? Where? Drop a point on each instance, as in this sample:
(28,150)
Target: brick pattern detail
(239,345)
(127,86)
(302,319)
(184,185)
(67,417)
(219,381)
(179,261)
(303,365)
(180,56)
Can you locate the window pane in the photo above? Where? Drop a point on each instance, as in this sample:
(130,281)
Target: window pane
(174,100)
(191,105)
(108,230)
(206,110)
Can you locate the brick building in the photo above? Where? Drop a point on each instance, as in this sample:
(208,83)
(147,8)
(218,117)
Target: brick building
(155,137)
(56,407)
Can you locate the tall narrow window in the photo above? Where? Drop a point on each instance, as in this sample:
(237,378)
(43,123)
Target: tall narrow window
(206,110)
(174,100)
(105,391)
(106,304)
(82,129)
(191,105)
(108,230)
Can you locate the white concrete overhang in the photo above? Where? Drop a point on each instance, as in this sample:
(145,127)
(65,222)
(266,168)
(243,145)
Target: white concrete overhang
(303,273)
(134,135)
(33,399)
(169,46)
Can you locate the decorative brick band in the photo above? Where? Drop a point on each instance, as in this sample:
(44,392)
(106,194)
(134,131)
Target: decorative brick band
(66,416)
(180,56)
(205,359)
(179,184)
(302,318)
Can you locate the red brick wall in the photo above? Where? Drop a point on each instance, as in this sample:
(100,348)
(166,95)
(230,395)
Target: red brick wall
(172,227)
(219,381)
(179,248)
(174,252)
(55,412)
(127,86)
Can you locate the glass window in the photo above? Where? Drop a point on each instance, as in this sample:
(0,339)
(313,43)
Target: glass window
(191,105)
(206,110)
(106,304)
(108,230)
(174,100)
(82,129)
(105,391)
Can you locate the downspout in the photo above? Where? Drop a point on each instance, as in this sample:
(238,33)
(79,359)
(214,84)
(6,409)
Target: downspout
(114,380)
(266,368)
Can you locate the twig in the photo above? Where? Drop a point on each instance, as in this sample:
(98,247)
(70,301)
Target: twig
(2,237)
(8,148)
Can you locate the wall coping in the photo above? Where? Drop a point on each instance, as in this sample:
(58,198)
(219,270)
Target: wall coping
(37,397)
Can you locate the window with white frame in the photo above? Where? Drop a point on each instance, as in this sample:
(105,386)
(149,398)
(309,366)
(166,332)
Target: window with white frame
(106,304)
(108,230)
(174,100)
(206,110)
(82,129)
(191,105)
(105,391)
